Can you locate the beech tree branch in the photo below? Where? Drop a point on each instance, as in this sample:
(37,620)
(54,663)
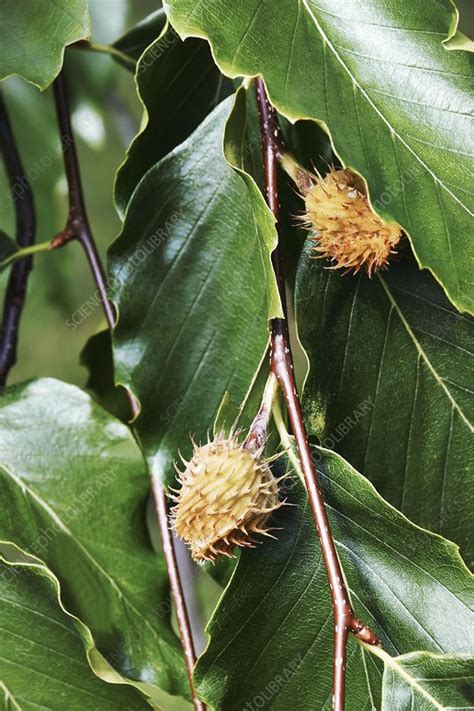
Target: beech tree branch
(77,227)
(281,364)
(167,542)
(22,199)
(77,223)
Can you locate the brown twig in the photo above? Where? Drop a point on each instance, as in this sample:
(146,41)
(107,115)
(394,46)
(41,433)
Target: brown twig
(281,364)
(167,543)
(77,227)
(77,224)
(22,198)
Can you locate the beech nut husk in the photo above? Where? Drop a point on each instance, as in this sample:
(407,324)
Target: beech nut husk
(345,228)
(227,495)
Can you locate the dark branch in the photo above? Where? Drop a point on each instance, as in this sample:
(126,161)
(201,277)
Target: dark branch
(22,199)
(281,364)
(77,227)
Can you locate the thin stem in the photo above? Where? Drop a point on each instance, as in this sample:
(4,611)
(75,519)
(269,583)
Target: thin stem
(105,49)
(281,364)
(23,253)
(112,51)
(77,227)
(167,543)
(285,438)
(22,198)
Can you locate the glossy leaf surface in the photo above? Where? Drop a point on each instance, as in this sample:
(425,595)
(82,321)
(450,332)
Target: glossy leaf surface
(271,635)
(77,490)
(396,102)
(389,386)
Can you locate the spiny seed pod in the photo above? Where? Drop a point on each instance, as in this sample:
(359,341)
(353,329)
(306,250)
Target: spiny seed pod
(227,494)
(347,230)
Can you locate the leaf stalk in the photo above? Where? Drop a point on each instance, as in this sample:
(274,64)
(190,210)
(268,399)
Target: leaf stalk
(258,430)
(23,253)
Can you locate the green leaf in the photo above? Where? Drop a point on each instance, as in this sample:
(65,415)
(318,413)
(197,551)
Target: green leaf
(428,681)
(134,42)
(192,290)
(97,357)
(92,76)
(459,41)
(33,37)
(178,84)
(236,139)
(271,635)
(76,489)
(43,662)
(395,101)
(390,387)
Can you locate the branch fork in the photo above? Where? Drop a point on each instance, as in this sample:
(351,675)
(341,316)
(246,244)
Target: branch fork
(77,224)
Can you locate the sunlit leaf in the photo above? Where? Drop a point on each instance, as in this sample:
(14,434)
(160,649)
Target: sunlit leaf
(193,288)
(396,102)
(76,488)
(33,37)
